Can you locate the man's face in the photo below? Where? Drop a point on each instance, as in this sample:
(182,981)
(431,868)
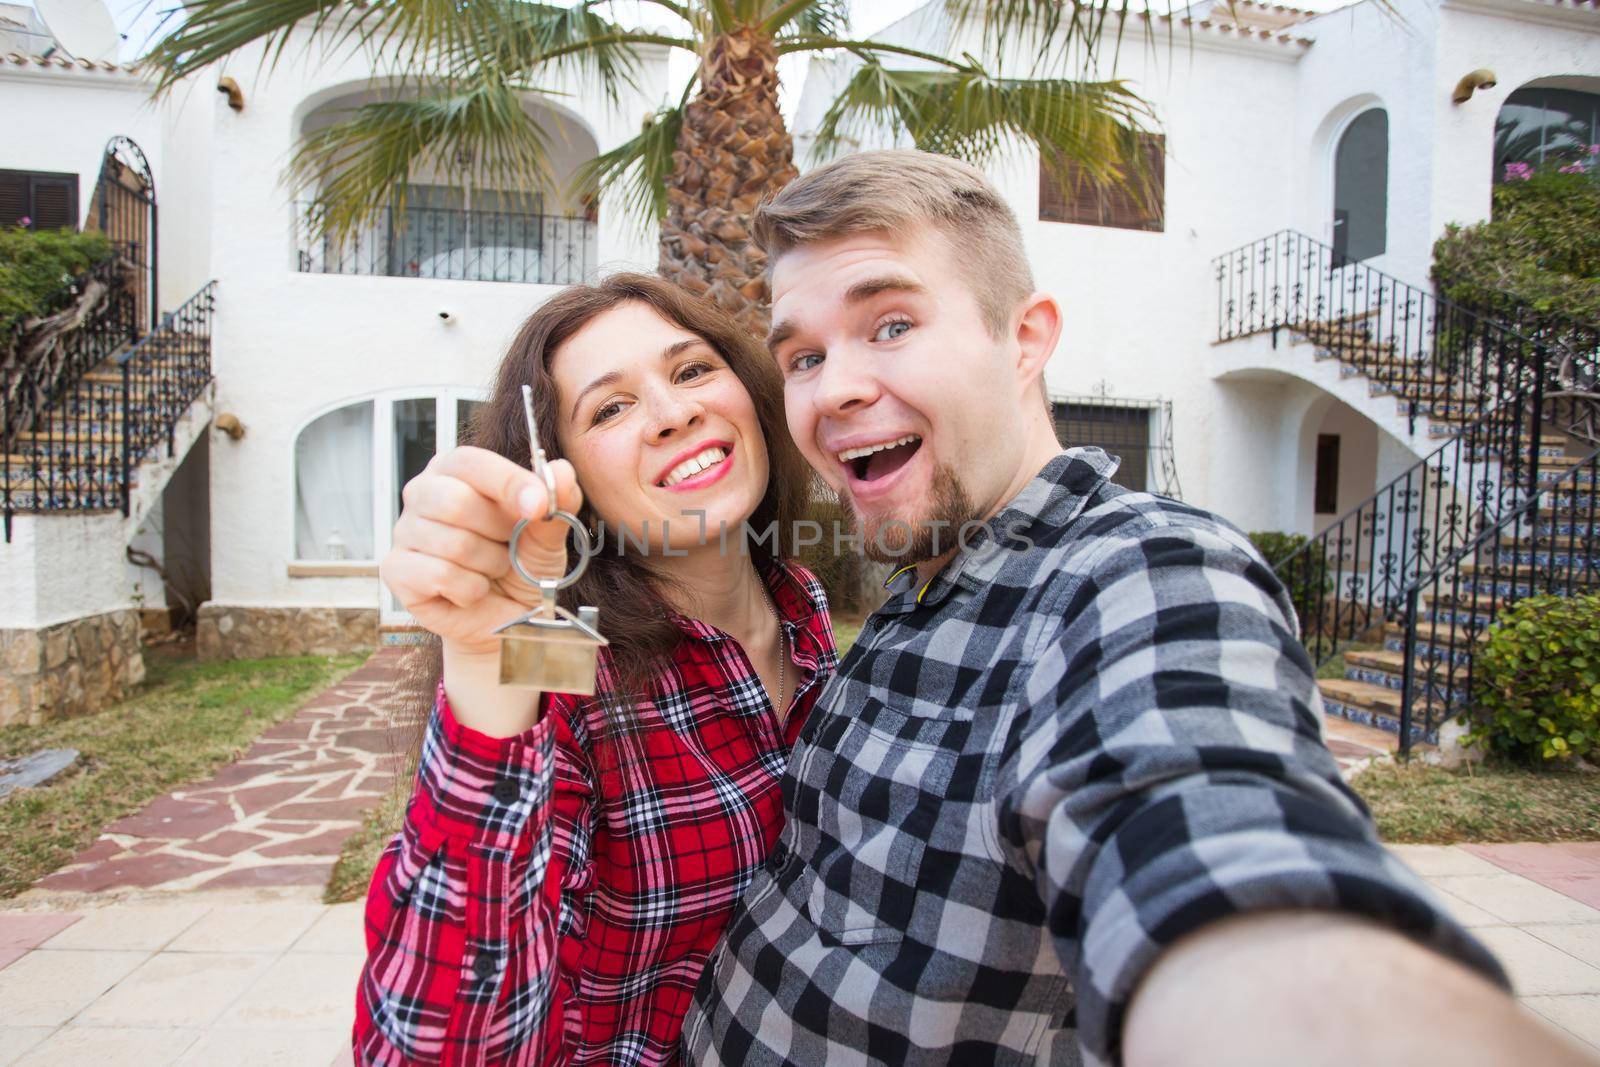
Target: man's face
(895,390)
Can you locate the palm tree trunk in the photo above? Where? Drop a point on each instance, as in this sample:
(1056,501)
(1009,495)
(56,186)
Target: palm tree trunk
(733,151)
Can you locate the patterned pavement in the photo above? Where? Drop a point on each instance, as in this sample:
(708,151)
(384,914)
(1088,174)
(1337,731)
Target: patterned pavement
(277,817)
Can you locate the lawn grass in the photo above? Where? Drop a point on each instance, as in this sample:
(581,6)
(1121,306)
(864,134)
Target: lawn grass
(1496,801)
(352,874)
(183,721)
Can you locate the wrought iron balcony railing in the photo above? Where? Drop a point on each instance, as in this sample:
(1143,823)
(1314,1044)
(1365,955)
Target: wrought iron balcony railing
(480,246)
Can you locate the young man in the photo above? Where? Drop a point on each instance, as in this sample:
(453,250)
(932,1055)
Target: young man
(1068,790)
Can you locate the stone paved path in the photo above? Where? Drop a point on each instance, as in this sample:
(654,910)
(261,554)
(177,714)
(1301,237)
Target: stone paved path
(276,817)
(1354,745)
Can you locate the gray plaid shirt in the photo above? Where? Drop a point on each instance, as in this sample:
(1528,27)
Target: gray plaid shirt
(1027,780)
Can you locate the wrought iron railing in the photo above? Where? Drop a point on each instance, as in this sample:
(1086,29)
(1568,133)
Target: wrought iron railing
(81,453)
(1489,391)
(1548,544)
(31,384)
(485,246)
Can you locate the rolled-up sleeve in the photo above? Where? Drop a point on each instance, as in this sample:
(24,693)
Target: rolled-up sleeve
(1176,773)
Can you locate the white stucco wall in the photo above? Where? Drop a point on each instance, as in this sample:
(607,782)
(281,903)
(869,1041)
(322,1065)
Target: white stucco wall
(291,345)
(61,119)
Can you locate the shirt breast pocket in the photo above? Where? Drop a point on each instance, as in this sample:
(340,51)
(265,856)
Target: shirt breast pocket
(879,789)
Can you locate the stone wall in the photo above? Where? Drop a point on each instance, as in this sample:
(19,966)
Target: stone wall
(232,631)
(70,668)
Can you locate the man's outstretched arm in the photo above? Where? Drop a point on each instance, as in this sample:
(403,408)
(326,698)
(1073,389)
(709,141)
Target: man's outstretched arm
(1314,988)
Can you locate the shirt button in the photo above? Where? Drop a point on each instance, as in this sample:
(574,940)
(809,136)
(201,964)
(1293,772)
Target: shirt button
(483,966)
(506,791)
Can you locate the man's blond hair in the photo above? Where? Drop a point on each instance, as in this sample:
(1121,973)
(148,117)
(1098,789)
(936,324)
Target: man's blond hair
(900,191)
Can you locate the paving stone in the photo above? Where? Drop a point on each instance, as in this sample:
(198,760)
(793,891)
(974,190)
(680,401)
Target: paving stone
(367,740)
(312,991)
(350,809)
(342,928)
(1531,860)
(27,930)
(1514,899)
(1578,1014)
(272,874)
(145,872)
(15,1040)
(227,843)
(264,926)
(171,818)
(288,731)
(116,1046)
(1432,860)
(327,843)
(263,1048)
(9,956)
(238,773)
(261,797)
(1537,968)
(128,927)
(1584,888)
(48,988)
(333,790)
(34,769)
(185,989)
(1575,939)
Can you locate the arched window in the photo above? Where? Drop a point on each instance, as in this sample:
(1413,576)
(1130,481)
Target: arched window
(349,460)
(1544,127)
(333,486)
(1361,187)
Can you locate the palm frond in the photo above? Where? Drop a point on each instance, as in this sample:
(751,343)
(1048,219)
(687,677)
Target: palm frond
(1058,38)
(982,118)
(638,169)
(536,38)
(407,33)
(356,168)
(821,18)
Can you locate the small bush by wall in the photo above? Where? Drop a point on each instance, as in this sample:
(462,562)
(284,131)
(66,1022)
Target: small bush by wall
(1536,683)
(1306,583)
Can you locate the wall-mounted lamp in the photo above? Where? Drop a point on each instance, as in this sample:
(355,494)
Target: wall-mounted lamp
(229,424)
(230,88)
(1482,78)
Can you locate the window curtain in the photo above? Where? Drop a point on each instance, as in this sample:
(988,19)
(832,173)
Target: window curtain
(333,485)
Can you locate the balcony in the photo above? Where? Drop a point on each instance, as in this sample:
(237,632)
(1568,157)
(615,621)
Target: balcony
(455,243)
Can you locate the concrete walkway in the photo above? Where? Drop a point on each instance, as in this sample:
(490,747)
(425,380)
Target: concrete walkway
(263,977)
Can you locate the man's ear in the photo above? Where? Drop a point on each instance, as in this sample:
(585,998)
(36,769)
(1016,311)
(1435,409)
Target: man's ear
(1038,329)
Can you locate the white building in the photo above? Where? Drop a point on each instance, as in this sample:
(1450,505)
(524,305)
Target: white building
(337,373)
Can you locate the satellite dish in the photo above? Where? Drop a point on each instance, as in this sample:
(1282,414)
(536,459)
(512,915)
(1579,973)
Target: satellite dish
(83,28)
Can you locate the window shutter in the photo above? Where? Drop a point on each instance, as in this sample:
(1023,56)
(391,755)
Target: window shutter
(13,197)
(1078,198)
(55,203)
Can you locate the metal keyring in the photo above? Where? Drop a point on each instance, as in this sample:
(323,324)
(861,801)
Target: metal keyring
(585,547)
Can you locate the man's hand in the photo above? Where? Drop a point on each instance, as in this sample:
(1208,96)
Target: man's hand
(1318,988)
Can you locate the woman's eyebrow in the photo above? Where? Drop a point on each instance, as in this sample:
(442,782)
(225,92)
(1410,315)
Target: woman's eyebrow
(612,377)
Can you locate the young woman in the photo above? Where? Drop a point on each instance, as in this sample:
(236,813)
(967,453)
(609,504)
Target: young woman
(568,863)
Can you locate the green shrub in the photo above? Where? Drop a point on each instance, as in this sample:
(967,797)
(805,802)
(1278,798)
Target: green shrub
(1541,249)
(1306,581)
(1536,683)
(36,266)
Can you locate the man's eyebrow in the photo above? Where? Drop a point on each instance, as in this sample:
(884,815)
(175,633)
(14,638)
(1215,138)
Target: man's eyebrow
(612,377)
(865,289)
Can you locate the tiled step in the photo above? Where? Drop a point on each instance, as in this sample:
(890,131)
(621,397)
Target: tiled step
(1369,705)
(1386,670)
(1447,640)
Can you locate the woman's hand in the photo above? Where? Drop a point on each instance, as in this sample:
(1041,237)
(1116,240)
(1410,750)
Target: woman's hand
(448,565)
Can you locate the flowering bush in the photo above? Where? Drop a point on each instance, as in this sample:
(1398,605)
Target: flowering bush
(1540,251)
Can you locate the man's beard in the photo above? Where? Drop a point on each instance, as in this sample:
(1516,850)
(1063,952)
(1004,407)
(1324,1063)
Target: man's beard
(901,540)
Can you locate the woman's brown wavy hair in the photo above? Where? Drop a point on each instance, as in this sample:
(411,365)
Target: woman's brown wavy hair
(634,615)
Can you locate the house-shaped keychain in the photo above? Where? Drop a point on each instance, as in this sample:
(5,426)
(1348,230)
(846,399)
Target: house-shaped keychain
(552,650)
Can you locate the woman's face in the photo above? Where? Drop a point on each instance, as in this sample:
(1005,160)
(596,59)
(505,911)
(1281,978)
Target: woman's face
(661,432)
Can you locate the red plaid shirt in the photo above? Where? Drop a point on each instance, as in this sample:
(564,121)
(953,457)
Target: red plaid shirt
(553,897)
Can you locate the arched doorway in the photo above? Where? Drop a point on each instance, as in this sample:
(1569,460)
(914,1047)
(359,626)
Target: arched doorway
(1361,187)
(124,209)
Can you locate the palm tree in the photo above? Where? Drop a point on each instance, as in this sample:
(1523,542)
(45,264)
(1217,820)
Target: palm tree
(701,166)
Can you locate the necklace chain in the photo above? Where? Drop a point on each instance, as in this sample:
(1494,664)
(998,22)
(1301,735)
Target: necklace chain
(777,704)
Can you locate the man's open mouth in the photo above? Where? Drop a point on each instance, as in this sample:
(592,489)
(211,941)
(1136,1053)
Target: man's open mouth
(871,462)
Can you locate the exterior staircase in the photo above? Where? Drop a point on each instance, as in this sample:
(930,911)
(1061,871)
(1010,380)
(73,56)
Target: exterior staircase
(92,443)
(1501,505)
